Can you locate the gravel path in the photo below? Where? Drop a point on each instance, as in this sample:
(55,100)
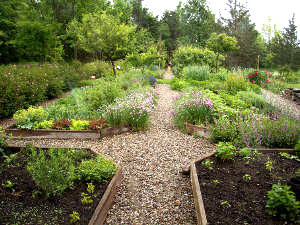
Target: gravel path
(153,190)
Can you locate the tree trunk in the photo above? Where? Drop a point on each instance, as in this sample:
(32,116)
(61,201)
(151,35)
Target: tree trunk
(114,68)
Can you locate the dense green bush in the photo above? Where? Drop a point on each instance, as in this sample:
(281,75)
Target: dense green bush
(97,170)
(199,73)
(282,203)
(225,150)
(189,55)
(178,84)
(30,118)
(234,84)
(224,130)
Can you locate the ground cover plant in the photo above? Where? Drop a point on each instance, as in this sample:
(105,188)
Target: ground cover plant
(61,182)
(247,187)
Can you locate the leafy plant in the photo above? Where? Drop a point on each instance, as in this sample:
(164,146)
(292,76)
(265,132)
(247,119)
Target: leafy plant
(225,203)
(62,124)
(79,125)
(177,84)
(9,184)
(96,170)
(288,156)
(52,172)
(47,124)
(86,199)
(224,130)
(282,203)
(269,165)
(259,77)
(247,177)
(91,188)
(74,217)
(207,163)
(245,152)
(28,119)
(225,150)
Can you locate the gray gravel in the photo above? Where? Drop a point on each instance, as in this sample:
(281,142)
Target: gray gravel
(153,190)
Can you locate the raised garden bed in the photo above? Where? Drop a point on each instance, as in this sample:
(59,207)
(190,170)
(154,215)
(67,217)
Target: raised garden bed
(18,206)
(223,196)
(198,130)
(65,134)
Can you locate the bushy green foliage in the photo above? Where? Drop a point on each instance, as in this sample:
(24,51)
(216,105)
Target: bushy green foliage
(97,170)
(234,84)
(28,119)
(98,69)
(225,150)
(52,172)
(178,84)
(79,124)
(234,101)
(188,55)
(282,203)
(199,73)
(277,86)
(224,130)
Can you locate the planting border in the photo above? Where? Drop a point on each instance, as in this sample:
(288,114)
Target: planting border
(64,134)
(198,201)
(100,213)
(199,130)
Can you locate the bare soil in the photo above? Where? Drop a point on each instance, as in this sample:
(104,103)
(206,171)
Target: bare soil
(230,200)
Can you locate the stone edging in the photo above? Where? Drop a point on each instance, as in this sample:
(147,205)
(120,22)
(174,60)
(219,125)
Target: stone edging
(198,201)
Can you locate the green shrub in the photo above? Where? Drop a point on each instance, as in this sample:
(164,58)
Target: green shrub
(260,78)
(97,170)
(199,73)
(220,76)
(189,55)
(79,124)
(225,150)
(234,84)
(28,119)
(98,69)
(177,84)
(52,172)
(234,101)
(282,203)
(224,130)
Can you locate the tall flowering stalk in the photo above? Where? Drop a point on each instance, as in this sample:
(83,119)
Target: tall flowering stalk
(193,108)
(132,110)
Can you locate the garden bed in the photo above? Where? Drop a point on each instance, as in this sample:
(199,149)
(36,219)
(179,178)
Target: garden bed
(65,134)
(18,206)
(222,196)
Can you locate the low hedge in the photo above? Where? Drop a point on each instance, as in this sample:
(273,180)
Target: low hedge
(25,85)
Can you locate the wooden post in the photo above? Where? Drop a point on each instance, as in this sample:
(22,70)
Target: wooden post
(258,62)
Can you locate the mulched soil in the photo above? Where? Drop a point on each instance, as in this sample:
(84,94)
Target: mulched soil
(230,200)
(17,206)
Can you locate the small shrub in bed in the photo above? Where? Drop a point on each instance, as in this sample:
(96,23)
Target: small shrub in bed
(224,130)
(53,172)
(282,203)
(79,124)
(177,84)
(259,77)
(234,84)
(226,151)
(97,170)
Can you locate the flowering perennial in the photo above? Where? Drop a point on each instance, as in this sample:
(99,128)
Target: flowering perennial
(193,108)
(132,110)
(259,77)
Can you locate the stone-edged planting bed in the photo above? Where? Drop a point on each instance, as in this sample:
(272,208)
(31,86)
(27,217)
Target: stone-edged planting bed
(18,206)
(224,195)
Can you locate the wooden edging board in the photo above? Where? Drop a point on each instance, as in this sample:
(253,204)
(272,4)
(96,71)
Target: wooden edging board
(198,201)
(64,134)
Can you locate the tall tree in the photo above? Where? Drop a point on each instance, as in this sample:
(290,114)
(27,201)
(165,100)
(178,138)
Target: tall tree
(240,26)
(103,35)
(197,22)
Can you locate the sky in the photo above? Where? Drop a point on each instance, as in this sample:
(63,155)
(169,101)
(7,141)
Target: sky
(279,11)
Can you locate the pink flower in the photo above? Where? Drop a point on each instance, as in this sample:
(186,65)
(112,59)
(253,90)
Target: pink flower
(267,81)
(250,77)
(255,73)
(253,82)
(270,74)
